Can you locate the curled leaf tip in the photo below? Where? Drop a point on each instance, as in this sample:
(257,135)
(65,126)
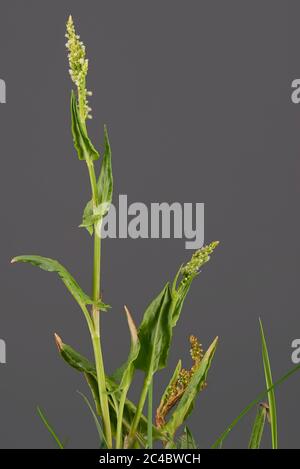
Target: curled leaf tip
(131,325)
(58,341)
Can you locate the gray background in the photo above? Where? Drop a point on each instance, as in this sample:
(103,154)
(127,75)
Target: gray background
(196,96)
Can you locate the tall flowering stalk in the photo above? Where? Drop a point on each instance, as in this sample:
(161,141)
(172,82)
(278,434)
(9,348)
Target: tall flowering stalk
(78,64)
(124,423)
(78,68)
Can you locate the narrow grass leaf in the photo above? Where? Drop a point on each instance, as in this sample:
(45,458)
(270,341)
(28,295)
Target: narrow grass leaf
(218,443)
(102,440)
(49,428)
(258,427)
(269,383)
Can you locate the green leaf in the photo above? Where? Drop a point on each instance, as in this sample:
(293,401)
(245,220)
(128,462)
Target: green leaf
(82,364)
(258,427)
(88,218)
(172,380)
(92,215)
(178,299)
(103,443)
(155,333)
(186,403)
(105,181)
(269,383)
(93,385)
(218,443)
(51,265)
(49,428)
(75,359)
(187,441)
(83,145)
(129,368)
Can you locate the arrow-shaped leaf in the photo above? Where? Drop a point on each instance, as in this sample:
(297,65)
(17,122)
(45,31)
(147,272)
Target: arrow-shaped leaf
(82,364)
(51,265)
(155,333)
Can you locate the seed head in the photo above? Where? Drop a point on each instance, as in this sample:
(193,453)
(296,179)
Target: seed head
(196,351)
(176,390)
(198,259)
(78,67)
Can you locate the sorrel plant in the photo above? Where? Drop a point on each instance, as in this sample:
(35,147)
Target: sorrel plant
(121,423)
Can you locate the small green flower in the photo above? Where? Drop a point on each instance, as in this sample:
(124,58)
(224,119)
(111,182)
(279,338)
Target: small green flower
(198,259)
(196,351)
(78,68)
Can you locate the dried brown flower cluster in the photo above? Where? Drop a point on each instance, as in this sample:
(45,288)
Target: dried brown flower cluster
(177,388)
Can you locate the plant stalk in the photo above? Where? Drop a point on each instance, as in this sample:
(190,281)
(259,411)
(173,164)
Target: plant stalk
(139,409)
(102,388)
(97,342)
(119,443)
(150,416)
(96,281)
(96,315)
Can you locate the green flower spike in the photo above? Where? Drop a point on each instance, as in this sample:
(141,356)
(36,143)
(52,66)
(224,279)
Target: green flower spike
(199,258)
(78,68)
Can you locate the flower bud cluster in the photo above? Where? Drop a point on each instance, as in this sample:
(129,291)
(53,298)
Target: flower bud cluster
(78,67)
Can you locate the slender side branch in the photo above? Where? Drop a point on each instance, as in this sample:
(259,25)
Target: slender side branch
(140,407)
(150,416)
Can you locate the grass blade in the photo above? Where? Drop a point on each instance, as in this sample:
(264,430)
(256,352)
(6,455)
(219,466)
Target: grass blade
(258,427)
(103,443)
(260,397)
(269,383)
(49,428)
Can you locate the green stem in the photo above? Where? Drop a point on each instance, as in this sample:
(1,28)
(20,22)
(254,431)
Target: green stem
(96,280)
(93,181)
(139,409)
(97,342)
(150,416)
(119,444)
(96,314)
(95,328)
(102,389)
